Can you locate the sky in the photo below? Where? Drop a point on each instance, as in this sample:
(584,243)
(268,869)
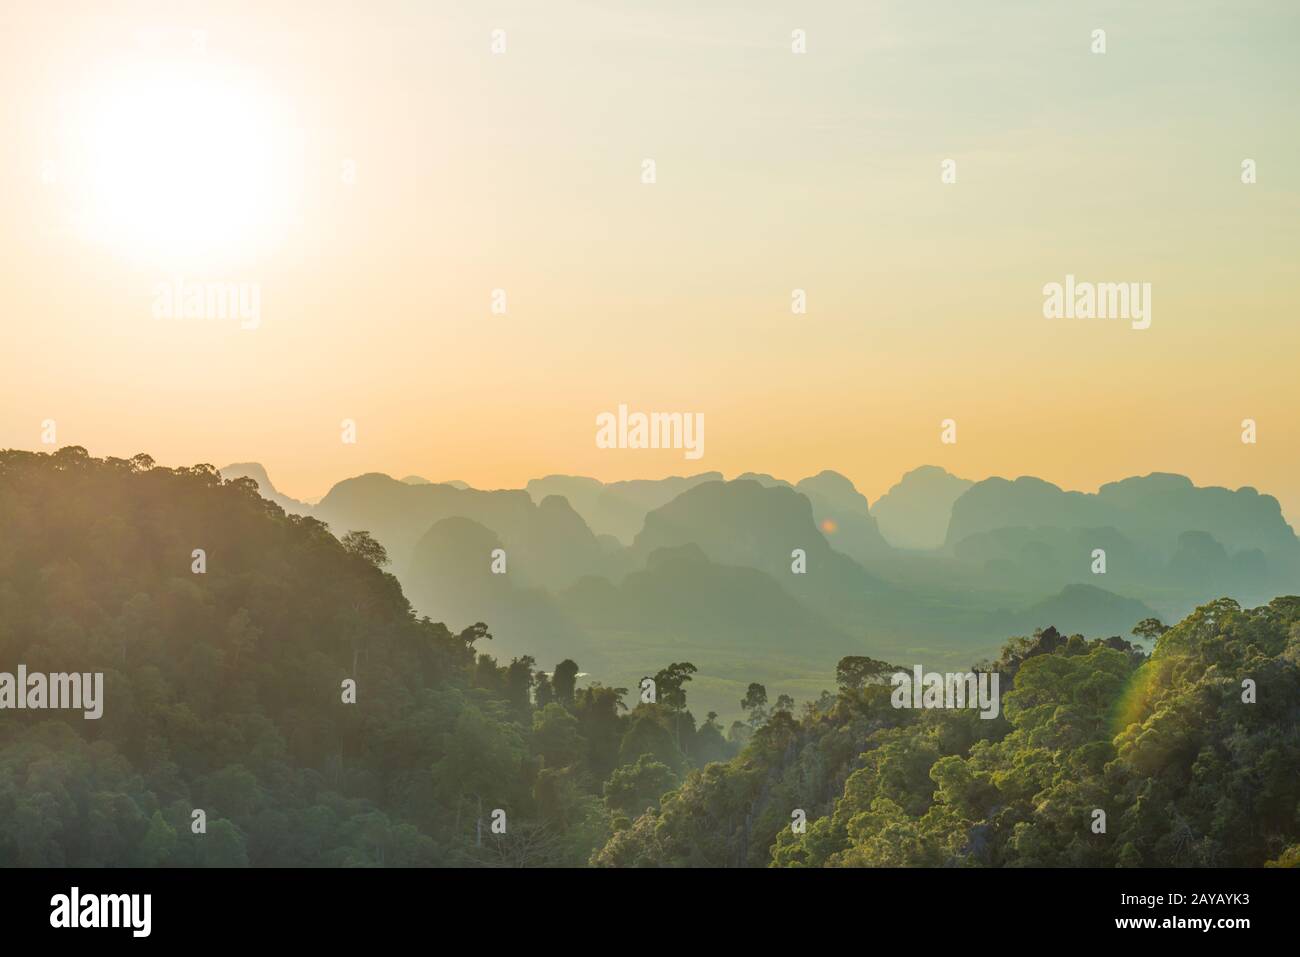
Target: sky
(372,173)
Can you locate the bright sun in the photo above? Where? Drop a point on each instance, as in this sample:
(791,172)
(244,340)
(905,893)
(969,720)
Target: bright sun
(179,159)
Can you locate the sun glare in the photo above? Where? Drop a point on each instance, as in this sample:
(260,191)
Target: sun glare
(179,159)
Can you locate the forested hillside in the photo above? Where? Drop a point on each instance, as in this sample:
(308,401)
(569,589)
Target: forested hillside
(229,633)
(1186,772)
(224,692)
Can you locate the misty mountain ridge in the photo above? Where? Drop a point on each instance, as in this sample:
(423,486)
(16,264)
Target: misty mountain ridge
(618,569)
(914,513)
(257,473)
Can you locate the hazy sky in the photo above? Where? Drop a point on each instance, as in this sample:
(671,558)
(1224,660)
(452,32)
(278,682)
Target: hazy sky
(376,171)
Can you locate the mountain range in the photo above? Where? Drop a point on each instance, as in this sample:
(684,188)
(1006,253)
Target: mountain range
(759,575)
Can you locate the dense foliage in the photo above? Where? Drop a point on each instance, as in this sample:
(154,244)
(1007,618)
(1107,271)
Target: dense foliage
(224,692)
(1187,771)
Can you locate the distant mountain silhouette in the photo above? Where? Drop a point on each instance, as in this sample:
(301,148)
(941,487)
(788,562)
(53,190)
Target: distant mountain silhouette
(1078,609)
(914,513)
(621,568)
(1159,506)
(839,509)
(748,524)
(548,543)
(257,473)
(1050,554)
(843,515)
(1158,531)
(683,597)
(616,508)
(450,579)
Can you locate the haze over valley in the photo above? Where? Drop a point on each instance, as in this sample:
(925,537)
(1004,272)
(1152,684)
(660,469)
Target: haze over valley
(941,569)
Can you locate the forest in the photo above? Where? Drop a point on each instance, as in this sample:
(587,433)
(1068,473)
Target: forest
(226,692)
